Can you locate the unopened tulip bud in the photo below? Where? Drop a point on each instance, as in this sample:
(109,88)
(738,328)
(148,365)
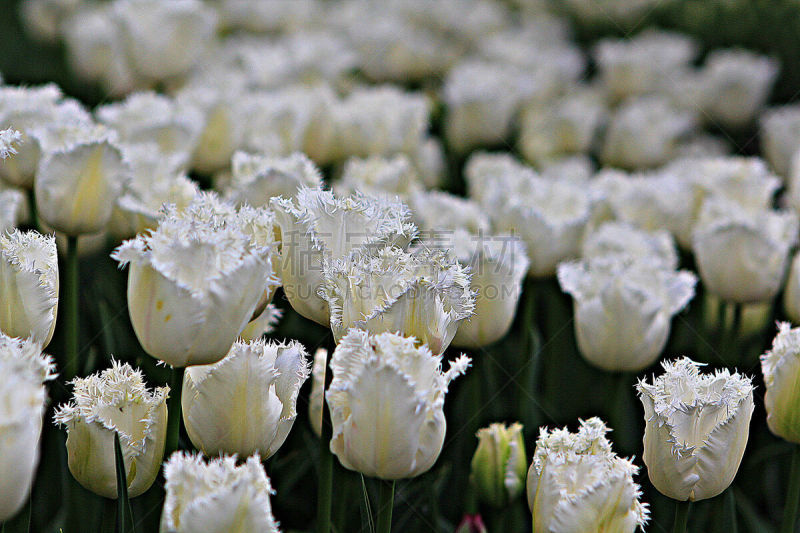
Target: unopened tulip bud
(499,464)
(216,497)
(781,368)
(267,377)
(577,483)
(386,402)
(23,371)
(28,285)
(316,400)
(115,400)
(694,419)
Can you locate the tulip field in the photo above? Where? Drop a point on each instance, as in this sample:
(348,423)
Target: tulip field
(451,266)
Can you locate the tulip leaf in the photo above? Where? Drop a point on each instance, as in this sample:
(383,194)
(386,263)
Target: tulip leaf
(124,513)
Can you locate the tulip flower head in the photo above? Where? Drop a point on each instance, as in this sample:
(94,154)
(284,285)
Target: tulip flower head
(115,400)
(425,295)
(194,284)
(386,402)
(623,308)
(696,429)
(781,366)
(318,228)
(621,239)
(577,483)
(23,371)
(743,256)
(255,179)
(376,176)
(8,140)
(216,497)
(499,464)
(13,204)
(28,285)
(79,178)
(266,377)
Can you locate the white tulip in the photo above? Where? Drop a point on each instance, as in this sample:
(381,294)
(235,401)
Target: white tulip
(216,497)
(255,179)
(317,228)
(156,179)
(736,84)
(263,324)
(623,308)
(147,117)
(569,125)
(485,173)
(258,416)
(620,239)
(23,371)
(779,129)
(377,175)
(13,204)
(781,367)
(791,291)
(380,121)
(643,64)
(425,295)
(26,109)
(8,140)
(386,402)
(164,40)
(550,216)
(199,267)
(743,256)
(696,429)
(79,178)
(498,466)
(115,400)
(645,133)
(577,483)
(498,265)
(438,212)
(28,285)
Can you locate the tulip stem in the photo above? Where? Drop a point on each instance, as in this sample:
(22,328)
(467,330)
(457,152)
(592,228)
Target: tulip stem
(325,486)
(174,410)
(681,516)
(32,208)
(71,296)
(385,506)
(793,494)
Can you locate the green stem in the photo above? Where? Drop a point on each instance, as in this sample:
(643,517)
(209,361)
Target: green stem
(122,488)
(174,410)
(71,295)
(325,487)
(385,506)
(792,494)
(681,516)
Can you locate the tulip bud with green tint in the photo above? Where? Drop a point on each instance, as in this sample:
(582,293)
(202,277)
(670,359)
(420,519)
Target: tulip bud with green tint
(216,497)
(781,368)
(28,285)
(23,371)
(258,416)
(386,401)
(499,464)
(115,400)
(696,429)
(576,483)
(79,178)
